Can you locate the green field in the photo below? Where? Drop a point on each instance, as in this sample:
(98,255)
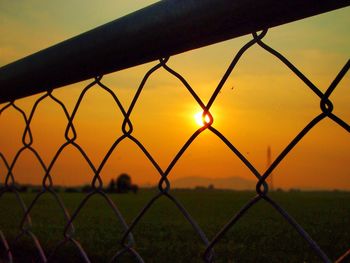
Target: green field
(163,234)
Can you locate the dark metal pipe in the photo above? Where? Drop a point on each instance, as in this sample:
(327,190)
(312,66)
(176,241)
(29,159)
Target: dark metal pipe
(166,28)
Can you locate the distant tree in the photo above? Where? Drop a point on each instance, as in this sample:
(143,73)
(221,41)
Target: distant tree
(86,188)
(57,189)
(134,188)
(23,189)
(123,183)
(36,189)
(111,187)
(211,187)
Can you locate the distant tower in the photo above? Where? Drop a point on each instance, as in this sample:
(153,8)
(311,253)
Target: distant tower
(268,163)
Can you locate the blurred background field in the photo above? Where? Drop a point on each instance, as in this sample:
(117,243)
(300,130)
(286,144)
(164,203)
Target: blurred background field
(164,235)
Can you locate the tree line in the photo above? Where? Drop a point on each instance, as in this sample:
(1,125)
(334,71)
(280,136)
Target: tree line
(121,184)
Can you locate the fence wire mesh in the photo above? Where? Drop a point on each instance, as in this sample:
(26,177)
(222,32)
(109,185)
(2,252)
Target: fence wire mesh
(164,186)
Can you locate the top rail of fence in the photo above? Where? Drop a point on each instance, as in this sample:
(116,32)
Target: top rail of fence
(163,29)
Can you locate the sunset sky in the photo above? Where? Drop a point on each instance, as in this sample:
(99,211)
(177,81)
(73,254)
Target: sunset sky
(262,103)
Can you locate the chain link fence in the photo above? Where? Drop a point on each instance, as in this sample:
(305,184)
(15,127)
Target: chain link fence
(164,186)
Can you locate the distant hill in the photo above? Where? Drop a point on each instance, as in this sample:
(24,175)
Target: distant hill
(234,182)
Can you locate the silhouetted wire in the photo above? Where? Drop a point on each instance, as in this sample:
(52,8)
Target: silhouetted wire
(127,240)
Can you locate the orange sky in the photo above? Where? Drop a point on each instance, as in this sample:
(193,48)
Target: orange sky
(261,104)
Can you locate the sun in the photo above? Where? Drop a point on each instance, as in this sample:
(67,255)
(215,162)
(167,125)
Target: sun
(198,117)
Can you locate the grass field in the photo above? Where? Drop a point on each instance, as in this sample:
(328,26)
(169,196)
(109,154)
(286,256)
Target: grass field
(163,235)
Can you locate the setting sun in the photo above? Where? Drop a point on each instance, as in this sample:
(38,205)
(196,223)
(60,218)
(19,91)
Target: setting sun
(198,117)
